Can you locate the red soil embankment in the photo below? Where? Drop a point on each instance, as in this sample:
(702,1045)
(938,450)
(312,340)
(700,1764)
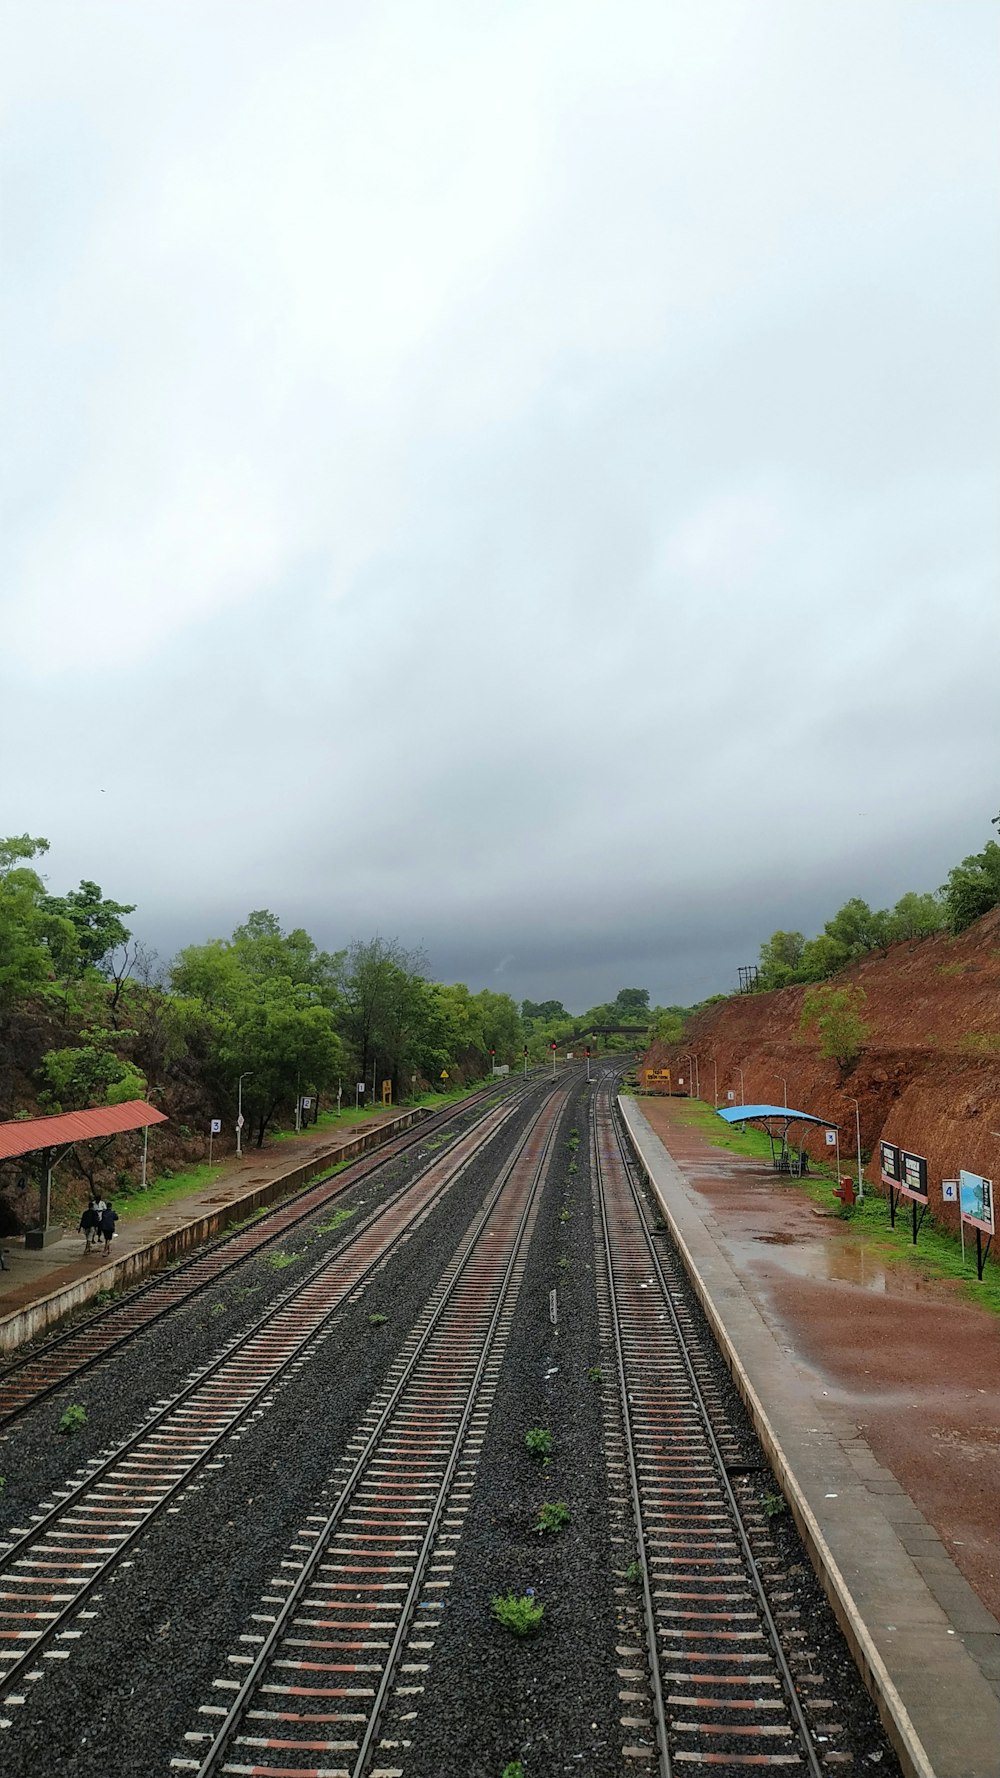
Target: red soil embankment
(928,1077)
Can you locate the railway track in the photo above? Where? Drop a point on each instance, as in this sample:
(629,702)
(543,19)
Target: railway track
(706,1682)
(30,1379)
(51,1571)
(350,1620)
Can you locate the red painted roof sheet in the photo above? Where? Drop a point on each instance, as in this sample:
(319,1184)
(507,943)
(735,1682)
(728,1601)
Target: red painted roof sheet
(26,1134)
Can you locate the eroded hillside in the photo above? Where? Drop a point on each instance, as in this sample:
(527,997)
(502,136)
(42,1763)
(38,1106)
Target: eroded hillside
(928,1076)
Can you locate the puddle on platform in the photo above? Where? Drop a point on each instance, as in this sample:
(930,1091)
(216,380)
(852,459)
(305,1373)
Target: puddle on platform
(839,1260)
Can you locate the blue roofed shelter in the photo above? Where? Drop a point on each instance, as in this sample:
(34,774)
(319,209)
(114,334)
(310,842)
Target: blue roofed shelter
(770,1116)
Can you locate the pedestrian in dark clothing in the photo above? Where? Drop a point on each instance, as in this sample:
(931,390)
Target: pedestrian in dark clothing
(108,1219)
(90,1227)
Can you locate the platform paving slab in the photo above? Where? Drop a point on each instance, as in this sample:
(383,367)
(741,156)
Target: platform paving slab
(926,1646)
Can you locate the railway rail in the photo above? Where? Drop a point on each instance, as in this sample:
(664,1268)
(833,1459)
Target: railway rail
(339,1623)
(53,1568)
(708,1684)
(49,1367)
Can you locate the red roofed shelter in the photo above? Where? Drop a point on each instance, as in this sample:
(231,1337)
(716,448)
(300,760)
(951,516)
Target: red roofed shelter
(44,1135)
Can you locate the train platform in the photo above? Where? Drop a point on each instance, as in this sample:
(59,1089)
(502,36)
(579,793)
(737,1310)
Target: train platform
(39,1286)
(877,1399)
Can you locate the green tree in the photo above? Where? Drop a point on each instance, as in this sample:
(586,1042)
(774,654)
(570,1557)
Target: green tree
(835,1013)
(821,957)
(917,916)
(97,926)
(284,1041)
(973,887)
(260,1004)
(380,1010)
(27,930)
(780,959)
(858,928)
(532,1010)
(89,1074)
(632,1005)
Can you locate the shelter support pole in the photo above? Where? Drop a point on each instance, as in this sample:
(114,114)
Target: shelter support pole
(145,1151)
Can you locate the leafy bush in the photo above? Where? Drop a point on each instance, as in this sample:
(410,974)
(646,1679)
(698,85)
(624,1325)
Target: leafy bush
(518,1613)
(553,1516)
(836,1014)
(73,1419)
(538,1440)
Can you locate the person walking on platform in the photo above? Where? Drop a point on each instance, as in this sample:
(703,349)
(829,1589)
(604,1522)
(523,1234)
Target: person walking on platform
(108,1219)
(90,1227)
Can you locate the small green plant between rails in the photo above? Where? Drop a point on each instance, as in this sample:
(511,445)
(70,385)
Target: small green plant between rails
(538,1442)
(74,1419)
(553,1517)
(378,1320)
(937,1255)
(336,1220)
(280,1260)
(513,1769)
(517,1612)
(773,1505)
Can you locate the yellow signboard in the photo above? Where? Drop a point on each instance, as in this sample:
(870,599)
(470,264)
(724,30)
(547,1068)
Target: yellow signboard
(387,1092)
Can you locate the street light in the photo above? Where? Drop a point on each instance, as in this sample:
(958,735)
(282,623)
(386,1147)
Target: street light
(239,1112)
(785,1085)
(857,1132)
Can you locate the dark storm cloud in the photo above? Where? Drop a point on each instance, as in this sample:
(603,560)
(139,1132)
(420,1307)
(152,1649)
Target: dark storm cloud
(513,479)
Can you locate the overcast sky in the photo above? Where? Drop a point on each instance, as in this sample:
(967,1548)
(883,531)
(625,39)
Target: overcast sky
(521,477)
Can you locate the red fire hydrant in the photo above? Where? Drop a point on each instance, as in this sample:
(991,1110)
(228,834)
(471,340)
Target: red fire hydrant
(845,1192)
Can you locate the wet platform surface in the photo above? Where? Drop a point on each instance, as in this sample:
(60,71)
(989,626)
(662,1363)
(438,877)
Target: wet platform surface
(879,1394)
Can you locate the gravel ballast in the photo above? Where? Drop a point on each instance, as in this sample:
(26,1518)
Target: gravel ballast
(174,1611)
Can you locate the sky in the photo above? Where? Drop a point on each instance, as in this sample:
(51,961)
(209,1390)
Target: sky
(520,477)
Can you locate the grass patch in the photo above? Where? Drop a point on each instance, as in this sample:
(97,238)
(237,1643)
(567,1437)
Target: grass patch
(280,1260)
(336,1221)
(938,1253)
(378,1320)
(74,1419)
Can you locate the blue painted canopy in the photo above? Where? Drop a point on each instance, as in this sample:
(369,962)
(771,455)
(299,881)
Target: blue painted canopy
(739,1114)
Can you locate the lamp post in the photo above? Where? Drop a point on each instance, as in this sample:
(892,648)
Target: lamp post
(715,1075)
(689,1059)
(785,1085)
(239,1112)
(857,1133)
(743,1091)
